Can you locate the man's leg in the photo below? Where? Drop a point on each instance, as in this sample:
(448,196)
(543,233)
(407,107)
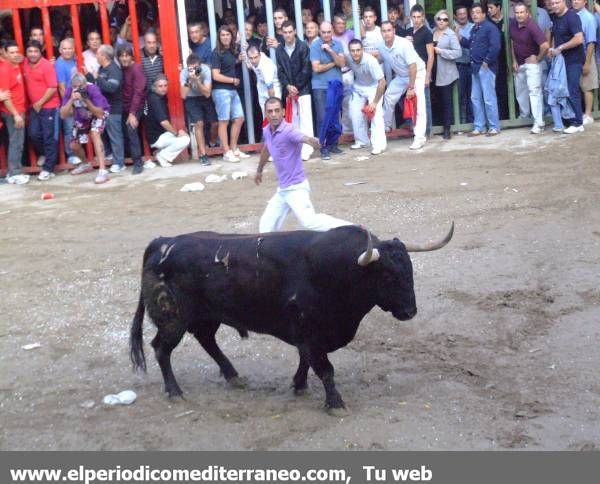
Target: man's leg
(477,103)
(49,122)
(348,81)
(536,97)
(488,87)
(319,98)
(394,92)
(274,215)
(573,78)
(35,132)
(200,141)
(237,114)
(378,139)
(359,123)
(522,91)
(298,199)
(170,146)
(67,125)
(135,147)
(421,124)
(115,135)
(16,141)
(428,120)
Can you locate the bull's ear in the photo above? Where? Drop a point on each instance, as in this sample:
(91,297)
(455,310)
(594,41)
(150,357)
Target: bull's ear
(396,239)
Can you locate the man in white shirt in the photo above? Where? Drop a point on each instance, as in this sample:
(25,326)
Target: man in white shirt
(94,41)
(369,87)
(267,83)
(371,34)
(400,56)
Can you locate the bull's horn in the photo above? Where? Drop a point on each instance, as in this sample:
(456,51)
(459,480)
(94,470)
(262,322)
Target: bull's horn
(369,255)
(431,245)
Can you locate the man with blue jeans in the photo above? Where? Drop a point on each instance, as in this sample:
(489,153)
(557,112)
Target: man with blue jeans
(484,45)
(327,59)
(568,41)
(463,28)
(110,81)
(65,67)
(41,84)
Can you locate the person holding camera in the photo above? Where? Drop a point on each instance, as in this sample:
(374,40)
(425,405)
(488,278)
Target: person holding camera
(90,110)
(196,88)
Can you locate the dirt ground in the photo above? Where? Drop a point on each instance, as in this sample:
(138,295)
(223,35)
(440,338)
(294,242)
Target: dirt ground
(502,355)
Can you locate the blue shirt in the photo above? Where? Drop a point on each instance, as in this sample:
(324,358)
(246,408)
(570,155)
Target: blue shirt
(588,25)
(65,70)
(320,80)
(484,44)
(465,31)
(565,27)
(202,50)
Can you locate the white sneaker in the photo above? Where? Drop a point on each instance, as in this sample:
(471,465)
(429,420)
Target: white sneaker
(376,152)
(45,175)
(108,157)
(114,168)
(74,160)
(573,129)
(535,129)
(240,154)
(229,156)
(163,163)
(357,146)
(41,160)
(149,164)
(587,119)
(558,129)
(17,179)
(416,145)
(101,177)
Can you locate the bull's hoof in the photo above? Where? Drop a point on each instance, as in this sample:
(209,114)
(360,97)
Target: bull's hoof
(300,390)
(339,412)
(238,382)
(175,393)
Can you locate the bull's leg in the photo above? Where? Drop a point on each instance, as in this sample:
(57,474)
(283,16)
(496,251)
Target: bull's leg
(164,343)
(206,337)
(324,370)
(299,381)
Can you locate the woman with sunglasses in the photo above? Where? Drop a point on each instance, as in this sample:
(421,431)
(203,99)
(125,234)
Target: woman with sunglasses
(447,50)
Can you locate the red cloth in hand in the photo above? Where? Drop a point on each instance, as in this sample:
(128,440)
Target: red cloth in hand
(410,109)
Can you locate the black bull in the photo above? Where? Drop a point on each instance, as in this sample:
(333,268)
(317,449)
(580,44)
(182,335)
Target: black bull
(309,289)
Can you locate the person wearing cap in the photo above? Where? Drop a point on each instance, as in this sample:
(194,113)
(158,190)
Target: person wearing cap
(367,98)
(134,98)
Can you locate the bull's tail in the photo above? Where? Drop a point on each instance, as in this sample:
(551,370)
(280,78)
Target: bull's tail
(136,342)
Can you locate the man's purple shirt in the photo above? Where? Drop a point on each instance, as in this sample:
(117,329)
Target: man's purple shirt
(526,39)
(81,113)
(285,146)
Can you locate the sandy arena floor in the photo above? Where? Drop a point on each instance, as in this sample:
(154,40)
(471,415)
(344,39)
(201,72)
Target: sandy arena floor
(503,353)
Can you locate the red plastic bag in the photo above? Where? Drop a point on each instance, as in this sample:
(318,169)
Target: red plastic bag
(410,109)
(369,114)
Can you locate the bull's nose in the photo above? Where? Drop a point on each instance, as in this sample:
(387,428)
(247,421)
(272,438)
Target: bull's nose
(405,315)
(412,313)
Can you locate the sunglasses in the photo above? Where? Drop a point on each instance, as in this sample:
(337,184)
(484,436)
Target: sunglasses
(440,19)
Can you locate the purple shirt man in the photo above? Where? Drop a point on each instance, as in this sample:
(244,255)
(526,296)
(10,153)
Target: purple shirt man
(526,39)
(285,146)
(81,114)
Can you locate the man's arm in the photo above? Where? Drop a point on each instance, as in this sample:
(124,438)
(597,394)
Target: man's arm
(264,158)
(67,109)
(19,120)
(44,99)
(217,76)
(314,142)
(412,77)
(109,85)
(543,50)
(379,92)
(430,59)
(318,67)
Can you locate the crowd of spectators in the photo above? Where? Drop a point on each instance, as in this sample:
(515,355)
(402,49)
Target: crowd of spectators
(401,69)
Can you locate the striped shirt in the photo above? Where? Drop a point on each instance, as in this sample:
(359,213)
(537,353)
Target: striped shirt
(153,65)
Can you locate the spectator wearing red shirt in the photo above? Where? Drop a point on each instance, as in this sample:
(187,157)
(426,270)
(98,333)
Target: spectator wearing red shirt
(12,109)
(41,85)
